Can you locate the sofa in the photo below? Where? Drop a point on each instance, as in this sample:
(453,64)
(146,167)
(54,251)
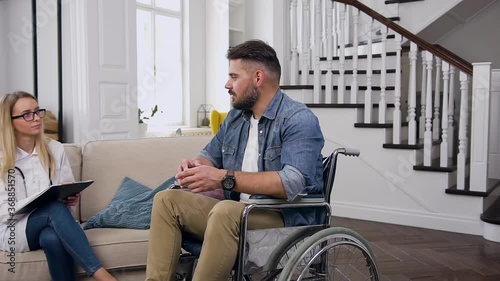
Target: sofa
(123,251)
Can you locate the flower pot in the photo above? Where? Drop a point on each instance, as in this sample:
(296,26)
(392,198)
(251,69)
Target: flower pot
(143,128)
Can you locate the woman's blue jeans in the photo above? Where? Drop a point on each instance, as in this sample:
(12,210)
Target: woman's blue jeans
(53,229)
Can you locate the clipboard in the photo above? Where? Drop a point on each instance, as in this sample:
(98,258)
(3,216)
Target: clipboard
(54,192)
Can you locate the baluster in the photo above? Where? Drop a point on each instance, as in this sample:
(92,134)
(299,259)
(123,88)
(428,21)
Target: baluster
(317,50)
(421,128)
(335,28)
(451,112)
(412,95)
(329,52)
(355,38)
(341,79)
(462,130)
(369,73)
(437,100)
(306,42)
(294,68)
(444,142)
(382,105)
(396,116)
(428,112)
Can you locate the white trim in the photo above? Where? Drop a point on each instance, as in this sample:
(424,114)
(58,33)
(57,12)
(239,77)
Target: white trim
(467,225)
(79,68)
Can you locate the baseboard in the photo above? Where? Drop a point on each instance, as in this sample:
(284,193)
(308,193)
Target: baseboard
(436,221)
(491,232)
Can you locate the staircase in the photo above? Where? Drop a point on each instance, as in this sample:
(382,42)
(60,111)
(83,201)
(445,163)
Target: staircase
(406,105)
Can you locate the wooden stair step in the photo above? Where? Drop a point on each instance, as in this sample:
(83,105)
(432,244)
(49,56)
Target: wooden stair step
(374,41)
(435,165)
(404,145)
(389,54)
(492,184)
(388,2)
(348,88)
(350,72)
(378,125)
(343,105)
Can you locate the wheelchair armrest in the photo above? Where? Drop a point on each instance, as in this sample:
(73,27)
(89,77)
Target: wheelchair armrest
(260,199)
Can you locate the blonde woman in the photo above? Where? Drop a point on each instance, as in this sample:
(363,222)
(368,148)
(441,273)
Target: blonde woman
(30,162)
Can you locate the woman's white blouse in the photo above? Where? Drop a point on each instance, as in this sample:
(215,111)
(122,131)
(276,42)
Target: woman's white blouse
(13,232)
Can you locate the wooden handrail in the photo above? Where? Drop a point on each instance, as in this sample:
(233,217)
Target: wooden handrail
(441,52)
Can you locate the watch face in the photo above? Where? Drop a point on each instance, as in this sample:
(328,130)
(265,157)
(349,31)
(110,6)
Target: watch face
(228,183)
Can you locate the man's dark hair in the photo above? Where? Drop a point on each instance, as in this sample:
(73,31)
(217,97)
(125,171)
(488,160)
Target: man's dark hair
(256,51)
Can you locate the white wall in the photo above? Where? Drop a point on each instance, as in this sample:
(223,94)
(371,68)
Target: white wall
(194,83)
(47,55)
(415,16)
(18,46)
(3,45)
(477,40)
(265,20)
(217,43)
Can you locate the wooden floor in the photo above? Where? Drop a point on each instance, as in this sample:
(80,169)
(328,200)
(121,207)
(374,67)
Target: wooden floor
(409,253)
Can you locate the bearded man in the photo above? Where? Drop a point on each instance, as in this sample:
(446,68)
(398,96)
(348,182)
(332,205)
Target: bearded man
(268,144)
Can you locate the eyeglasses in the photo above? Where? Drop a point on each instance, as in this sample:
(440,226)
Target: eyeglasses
(30,116)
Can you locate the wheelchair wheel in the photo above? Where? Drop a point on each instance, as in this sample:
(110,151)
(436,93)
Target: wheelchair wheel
(335,253)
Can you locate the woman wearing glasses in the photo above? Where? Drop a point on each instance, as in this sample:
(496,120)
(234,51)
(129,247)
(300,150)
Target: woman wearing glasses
(30,162)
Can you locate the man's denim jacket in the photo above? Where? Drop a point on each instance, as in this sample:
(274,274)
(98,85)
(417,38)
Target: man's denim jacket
(290,141)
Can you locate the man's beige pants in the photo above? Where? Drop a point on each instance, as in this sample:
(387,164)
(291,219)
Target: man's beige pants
(215,222)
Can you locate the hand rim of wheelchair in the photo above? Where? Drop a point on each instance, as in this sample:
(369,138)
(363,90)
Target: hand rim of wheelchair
(347,236)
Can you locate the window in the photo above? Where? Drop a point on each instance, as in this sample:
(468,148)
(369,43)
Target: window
(159,62)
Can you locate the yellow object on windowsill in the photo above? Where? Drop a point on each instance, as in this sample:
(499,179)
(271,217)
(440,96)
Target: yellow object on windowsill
(216,119)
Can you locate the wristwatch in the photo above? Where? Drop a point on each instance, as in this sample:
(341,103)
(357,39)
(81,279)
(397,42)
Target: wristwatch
(228,181)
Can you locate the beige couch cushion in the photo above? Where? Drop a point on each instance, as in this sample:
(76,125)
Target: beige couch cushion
(29,266)
(74,154)
(149,161)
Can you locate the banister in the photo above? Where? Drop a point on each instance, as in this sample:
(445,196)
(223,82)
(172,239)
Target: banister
(441,52)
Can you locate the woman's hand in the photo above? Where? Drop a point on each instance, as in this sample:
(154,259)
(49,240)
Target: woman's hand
(72,200)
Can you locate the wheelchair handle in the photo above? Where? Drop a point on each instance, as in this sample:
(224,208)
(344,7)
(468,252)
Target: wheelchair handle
(350,151)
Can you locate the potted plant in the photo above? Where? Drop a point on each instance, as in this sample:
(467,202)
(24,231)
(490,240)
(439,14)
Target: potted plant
(143,127)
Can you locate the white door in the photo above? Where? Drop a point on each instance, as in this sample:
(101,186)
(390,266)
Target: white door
(104,70)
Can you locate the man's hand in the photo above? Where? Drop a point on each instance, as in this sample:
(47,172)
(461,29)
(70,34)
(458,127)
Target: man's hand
(72,200)
(200,178)
(187,164)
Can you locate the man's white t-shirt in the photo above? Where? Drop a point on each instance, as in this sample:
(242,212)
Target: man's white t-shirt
(251,153)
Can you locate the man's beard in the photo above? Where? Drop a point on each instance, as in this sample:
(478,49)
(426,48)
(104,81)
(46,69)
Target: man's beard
(248,98)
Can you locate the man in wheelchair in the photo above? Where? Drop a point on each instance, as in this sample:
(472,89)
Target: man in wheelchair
(268,144)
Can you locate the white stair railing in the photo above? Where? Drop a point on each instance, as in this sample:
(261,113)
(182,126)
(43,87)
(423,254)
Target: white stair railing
(344,42)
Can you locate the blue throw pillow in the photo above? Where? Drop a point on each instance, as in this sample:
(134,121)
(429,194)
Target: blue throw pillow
(130,207)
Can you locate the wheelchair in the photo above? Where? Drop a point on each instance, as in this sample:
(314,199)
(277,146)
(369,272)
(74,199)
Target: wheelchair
(312,252)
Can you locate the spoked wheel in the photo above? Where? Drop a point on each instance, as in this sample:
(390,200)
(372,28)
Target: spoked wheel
(335,253)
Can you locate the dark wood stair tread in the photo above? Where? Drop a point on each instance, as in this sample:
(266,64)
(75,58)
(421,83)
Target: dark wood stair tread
(343,105)
(404,144)
(435,164)
(492,184)
(377,125)
(389,54)
(400,1)
(335,87)
(349,72)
